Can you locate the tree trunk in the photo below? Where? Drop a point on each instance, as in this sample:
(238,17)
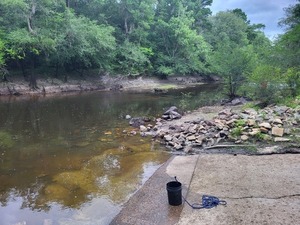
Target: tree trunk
(23,70)
(32,78)
(32,81)
(56,71)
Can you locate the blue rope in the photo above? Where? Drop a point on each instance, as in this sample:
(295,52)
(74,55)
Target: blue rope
(208,202)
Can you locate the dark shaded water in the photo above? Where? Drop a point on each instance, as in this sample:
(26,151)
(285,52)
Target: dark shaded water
(68,160)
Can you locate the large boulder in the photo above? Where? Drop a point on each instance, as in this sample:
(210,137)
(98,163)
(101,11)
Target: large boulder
(171,113)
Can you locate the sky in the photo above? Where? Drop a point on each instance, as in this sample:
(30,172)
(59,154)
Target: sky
(267,12)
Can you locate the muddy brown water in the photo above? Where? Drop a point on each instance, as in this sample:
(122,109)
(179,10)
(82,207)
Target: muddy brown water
(69,160)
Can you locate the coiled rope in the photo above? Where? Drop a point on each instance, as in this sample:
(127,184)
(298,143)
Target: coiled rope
(208,202)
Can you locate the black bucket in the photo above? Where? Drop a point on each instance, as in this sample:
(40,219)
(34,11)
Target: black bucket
(174,193)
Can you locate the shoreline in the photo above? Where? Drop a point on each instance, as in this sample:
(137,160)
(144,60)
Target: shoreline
(55,87)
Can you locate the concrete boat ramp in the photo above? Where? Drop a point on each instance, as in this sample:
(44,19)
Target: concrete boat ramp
(258,189)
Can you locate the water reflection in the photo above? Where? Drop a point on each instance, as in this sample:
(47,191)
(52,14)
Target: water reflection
(68,160)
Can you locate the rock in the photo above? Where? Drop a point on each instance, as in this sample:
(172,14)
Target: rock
(133,132)
(165,117)
(238,101)
(287,130)
(277,121)
(265,125)
(223,134)
(199,140)
(159,124)
(143,128)
(178,146)
(254,131)
(277,131)
(280,109)
(264,130)
(280,139)
(191,138)
(127,117)
(171,109)
(171,113)
(244,137)
(158,120)
(137,121)
(250,111)
(269,150)
(210,142)
(226,112)
(230,122)
(188,149)
(193,129)
(251,122)
(168,137)
(267,138)
(174,115)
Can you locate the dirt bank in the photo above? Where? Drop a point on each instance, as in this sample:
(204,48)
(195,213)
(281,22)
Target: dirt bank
(18,86)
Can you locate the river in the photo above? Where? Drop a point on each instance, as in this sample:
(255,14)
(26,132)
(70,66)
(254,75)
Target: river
(69,159)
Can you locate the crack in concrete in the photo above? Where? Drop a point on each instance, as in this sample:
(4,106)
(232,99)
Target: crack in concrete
(261,197)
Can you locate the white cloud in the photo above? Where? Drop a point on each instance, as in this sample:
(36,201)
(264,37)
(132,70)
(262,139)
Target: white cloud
(267,12)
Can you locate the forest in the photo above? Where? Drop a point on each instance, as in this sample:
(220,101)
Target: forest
(151,37)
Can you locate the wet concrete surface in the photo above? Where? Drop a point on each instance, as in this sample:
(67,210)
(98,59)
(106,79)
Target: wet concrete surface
(149,205)
(258,189)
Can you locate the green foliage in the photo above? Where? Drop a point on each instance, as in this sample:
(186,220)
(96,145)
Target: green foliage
(265,84)
(233,57)
(236,131)
(165,38)
(179,49)
(287,52)
(133,59)
(240,122)
(2,60)
(292,79)
(82,43)
(260,136)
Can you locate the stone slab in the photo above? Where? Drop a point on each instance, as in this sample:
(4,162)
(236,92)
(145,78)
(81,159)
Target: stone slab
(258,190)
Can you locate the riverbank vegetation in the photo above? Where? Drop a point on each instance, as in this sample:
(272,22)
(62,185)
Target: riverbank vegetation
(164,38)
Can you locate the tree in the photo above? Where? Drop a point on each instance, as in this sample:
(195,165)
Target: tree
(234,65)
(133,59)
(264,84)
(179,49)
(232,57)
(46,32)
(2,61)
(81,43)
(27,34)
(292,18)
(287,49)
(288,45)
(3,71)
